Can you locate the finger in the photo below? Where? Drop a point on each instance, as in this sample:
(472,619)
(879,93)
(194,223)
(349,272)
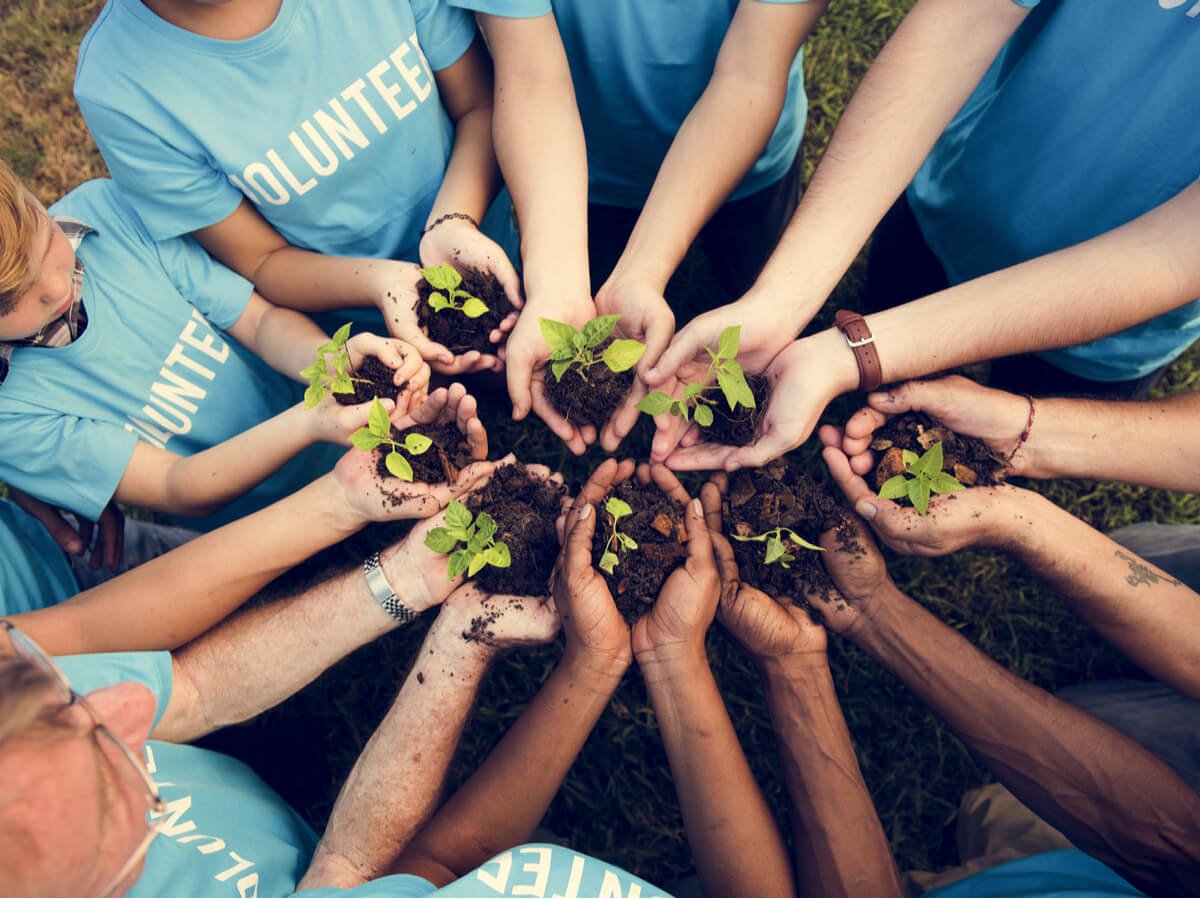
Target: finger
(666,481)
(67,537)
(112,533)
(686,345)
(587,433)
(911,396)
(473,477)
(701,457)
(87,530)
(710,499)
(463,364)
(669,431)
(577,554)
(431,351)
(506,274)
(389,352)
(700,546)
(426,413)
(860,429)
(771,444)
(853,486)
(659,331)
(692,436)
(519,377)
(623,420)
(555,421)
(829,435)
(607,474)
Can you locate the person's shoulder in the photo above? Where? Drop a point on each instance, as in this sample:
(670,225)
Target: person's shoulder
(102,206)
(103,48)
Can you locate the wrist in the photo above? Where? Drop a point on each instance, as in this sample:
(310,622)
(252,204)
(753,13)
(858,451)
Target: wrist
(673,662)
(449,635)
(597,670)
(829,358)
(334,508)
(1019,517)
(888,611)
(795,666)
(406,578)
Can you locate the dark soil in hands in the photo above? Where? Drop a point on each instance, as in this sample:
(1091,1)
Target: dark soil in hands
(441,463)
(780,495)
(525,510)
(738,427)
(378,378)
(455,331)
(589,397)
(657,526)
(968,459)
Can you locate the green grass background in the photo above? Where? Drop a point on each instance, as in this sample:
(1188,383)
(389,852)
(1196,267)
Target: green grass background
(619,801)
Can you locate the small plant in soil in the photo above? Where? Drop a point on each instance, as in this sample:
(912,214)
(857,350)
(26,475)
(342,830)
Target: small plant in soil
(922,476)
(967,459)
(460,308)
(448,293)
(610,558)
(591,370)
(332,373)
(379,432)
(730,382)
(478,533)
(778,542)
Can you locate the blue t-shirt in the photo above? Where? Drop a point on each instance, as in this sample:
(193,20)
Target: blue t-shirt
(34,572)
(153,365)
(329,120)
(1081,124)
(1067,872)
(639,66)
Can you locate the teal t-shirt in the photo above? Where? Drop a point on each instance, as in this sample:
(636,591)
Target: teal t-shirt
(1084,122)
(152,365)
(639,66)
(34,573)
(1067,872)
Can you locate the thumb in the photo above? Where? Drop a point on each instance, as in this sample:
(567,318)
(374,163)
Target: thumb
(700,550)
(519,374)
(430,350)
(578,551)
(685,345)
(908,397)
(657,338)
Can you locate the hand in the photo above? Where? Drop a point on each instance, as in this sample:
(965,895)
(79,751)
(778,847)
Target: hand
(527,355)
(858,571)
(977,516)
(396,297)
(497,622)
(996,417)
(645,316)
(766,628)
(409,368)
(110,545)
(459,243)
(449,404)
(802,381)
(330,422)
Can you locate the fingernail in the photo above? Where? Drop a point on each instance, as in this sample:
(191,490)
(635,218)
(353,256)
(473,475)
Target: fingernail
(585,512)
(697,509)
(866,509)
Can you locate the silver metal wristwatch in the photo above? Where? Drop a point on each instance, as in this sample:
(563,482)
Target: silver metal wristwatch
(377,583)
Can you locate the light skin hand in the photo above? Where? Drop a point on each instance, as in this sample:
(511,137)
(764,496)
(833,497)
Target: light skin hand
(408,366)
(968,408)
(519,620)
(397,298)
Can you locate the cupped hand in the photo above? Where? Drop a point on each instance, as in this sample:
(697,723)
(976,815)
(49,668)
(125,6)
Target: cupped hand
(498,622)
(996,417)
(409,369)
(445,405)
(397,300)
(859,573)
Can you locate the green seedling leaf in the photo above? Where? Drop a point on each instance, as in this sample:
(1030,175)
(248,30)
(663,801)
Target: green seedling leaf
(460,560)
(559,368)
(364,441)
(559,336)
(340,336)
(942,482)
(474,307)
(800,541)
(377,420)
(440,540)
(655,403)
(499,556)
(442,277)
(733,384)
(478,560)
(487,527)
(608,562)
(930,463)
(476,544)
(704,416)
(313,395)
(910,458)
(775,550)
(622,355)
(918,493)
(315,370)
(692,390)
(341,384)
(894,487)
(597,330)
(562,354)
(457,515)
(438,302)
(416,444)
(727,348)
(627,541)
(617,508)
(398,466)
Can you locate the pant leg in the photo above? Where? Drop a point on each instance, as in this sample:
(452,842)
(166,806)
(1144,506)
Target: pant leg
(900,267)
(1175,548)
(144,540)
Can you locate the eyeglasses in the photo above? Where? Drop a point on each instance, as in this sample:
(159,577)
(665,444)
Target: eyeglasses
(133,769)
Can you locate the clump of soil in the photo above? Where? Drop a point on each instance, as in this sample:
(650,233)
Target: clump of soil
(451,328)
(441,463)
(739,426)
(780,495)
(657,526)
(378,378)
(968,459)
(525,510)
(591,396)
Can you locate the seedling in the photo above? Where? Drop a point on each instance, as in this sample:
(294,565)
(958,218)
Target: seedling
(477,532)
(378,432)
(447,293)
(731,382)
(777,548)
(616,509)
(922,476)
(569,346)
(332,372)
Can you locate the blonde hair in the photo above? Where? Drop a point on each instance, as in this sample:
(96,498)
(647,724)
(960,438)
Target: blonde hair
(20,218)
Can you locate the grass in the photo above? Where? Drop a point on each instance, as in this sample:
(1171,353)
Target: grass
(618,801)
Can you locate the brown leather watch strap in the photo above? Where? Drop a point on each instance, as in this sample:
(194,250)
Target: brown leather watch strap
(862,342)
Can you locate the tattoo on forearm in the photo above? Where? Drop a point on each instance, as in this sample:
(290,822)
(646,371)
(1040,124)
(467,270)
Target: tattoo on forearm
(1141,573)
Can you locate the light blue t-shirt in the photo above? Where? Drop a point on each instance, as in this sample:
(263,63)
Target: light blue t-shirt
(34,572)
(153,365)
(329,120)
(1085,121)
(639,66)
(1067,872)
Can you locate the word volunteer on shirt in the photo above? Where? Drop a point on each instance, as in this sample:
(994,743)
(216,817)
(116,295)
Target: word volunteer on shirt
(264,181)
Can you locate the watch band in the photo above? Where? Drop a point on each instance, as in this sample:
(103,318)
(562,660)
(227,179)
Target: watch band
(377,583)
(862,342)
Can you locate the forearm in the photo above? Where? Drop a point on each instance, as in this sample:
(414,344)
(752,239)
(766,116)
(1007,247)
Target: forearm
(920,79)
(287,341)
(395,784)
(1104,285)
(176,597)
(1063,441)
(1148,615)
(725,814)
(1110,797)
(471,178)
(312,282)
(839,845)
(503,802)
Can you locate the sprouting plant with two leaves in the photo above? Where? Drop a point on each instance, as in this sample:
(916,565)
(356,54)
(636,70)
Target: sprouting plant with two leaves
(569,346)
(730,381)
(617,539)
(778,541)
(448,292)
(922,476)
(477,533)
(378,432)
(332,372)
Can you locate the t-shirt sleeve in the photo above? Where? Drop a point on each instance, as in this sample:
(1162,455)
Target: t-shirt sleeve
(92,672)
(444,32)
(164,173)
(72,462)
(509,9)
(400,885)
(220,293)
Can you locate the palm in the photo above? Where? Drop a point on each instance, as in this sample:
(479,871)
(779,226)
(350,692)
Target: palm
(768,628)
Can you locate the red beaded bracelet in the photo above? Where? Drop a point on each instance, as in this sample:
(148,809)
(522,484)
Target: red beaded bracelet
(1024,434)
